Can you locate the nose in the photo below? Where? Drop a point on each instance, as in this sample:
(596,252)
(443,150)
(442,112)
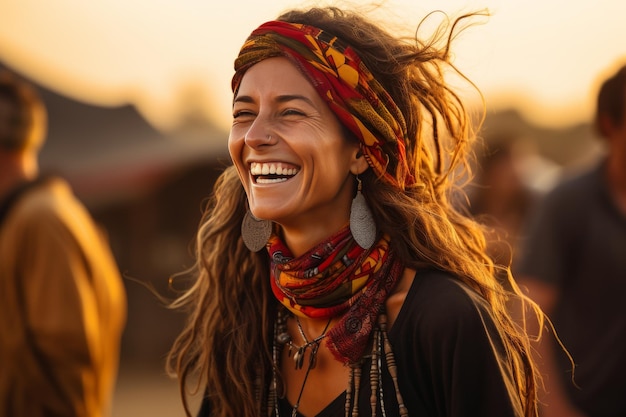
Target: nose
(259,141)
(259,134)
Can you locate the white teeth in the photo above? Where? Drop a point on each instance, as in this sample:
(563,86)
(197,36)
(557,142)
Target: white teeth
(257,168)
(270,180)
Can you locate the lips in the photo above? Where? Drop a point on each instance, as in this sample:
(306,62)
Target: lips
(272,172)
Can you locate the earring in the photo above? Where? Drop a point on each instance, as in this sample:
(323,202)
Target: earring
(255,232)
(362,223)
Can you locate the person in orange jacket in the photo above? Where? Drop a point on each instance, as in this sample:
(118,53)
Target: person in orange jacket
(62,300)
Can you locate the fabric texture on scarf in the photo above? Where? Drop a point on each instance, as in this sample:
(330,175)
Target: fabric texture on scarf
(342,79)
(337,277)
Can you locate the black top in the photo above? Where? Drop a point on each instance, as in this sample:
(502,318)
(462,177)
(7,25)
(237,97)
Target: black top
(449,357)
(577,243)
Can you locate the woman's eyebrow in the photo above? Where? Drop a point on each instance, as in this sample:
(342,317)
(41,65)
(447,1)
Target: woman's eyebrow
(280,99)
(291,97)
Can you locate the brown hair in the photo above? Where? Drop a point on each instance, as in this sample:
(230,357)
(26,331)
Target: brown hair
(27,119)
(228,336)
(611,101)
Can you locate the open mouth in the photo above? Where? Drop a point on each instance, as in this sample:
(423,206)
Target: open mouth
(272,172)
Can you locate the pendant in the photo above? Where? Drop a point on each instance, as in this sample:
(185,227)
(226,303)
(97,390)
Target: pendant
(283,338)
(298,358)
(313,357)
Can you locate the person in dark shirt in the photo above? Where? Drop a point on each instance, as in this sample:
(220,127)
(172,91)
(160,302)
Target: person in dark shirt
(574,266)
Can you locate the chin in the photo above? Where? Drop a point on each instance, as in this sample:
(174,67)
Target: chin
(264,213)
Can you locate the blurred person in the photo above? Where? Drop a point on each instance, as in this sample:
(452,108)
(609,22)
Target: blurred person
(574,266)
(62,301)
(333,276)
(500,196)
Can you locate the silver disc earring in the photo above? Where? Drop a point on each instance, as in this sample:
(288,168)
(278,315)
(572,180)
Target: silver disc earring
(255,232)
(362,223)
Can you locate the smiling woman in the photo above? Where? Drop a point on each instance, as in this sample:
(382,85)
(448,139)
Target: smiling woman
(338,136)
(280,120)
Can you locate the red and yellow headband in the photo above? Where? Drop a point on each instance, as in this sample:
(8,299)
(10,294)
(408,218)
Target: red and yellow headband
(342,79)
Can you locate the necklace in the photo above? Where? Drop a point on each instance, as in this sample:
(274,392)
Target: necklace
(298,357)
(382,353)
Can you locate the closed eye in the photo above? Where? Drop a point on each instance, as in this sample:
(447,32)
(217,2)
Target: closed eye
(293,112)
(243,113)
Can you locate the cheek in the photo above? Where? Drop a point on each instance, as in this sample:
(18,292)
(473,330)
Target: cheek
(234,145)
(331,169)
(235,150)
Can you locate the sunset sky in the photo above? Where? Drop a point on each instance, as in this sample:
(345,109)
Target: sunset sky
(547,53)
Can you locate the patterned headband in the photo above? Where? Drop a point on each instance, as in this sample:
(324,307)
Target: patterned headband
(342,79)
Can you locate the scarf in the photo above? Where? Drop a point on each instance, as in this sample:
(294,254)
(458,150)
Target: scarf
(333,278)
(340,77)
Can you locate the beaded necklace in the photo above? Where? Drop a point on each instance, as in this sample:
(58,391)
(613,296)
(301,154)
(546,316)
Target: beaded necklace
(381,350)
(283,338)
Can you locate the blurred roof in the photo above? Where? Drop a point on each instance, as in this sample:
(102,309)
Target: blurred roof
(113,153)
(569,146)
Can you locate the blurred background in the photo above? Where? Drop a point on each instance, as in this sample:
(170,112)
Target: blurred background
(138,95)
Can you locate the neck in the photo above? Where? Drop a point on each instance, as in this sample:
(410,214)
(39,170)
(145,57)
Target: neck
(14,170)
(616,178)
(616,172)
(312,328)
(301,239)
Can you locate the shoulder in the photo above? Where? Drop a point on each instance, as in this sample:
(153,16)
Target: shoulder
(441,291)
(446,337)
(50,200)
(575,189)
(439,303)
(565,205)
(48,195)
(51,209)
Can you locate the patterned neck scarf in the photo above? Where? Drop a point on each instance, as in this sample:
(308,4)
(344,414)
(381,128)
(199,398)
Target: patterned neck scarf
(333,278)
(342,79)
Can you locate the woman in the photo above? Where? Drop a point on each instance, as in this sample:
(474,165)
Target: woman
(333,275)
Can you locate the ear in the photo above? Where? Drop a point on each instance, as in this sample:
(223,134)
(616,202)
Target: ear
(359,163)
(605,125)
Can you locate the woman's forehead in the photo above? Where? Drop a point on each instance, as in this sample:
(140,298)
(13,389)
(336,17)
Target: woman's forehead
(275,75)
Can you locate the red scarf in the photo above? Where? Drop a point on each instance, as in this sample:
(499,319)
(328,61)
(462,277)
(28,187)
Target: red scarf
(337,277)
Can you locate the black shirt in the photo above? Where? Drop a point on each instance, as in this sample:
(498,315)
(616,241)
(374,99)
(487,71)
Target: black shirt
(449,357)
(577,243)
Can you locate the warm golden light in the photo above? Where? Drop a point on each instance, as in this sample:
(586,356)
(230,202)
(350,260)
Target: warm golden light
(153,53)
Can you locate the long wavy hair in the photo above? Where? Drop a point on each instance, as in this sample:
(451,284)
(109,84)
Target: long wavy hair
(224,349)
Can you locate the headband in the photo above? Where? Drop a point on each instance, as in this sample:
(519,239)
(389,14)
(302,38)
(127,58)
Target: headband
(342,79)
